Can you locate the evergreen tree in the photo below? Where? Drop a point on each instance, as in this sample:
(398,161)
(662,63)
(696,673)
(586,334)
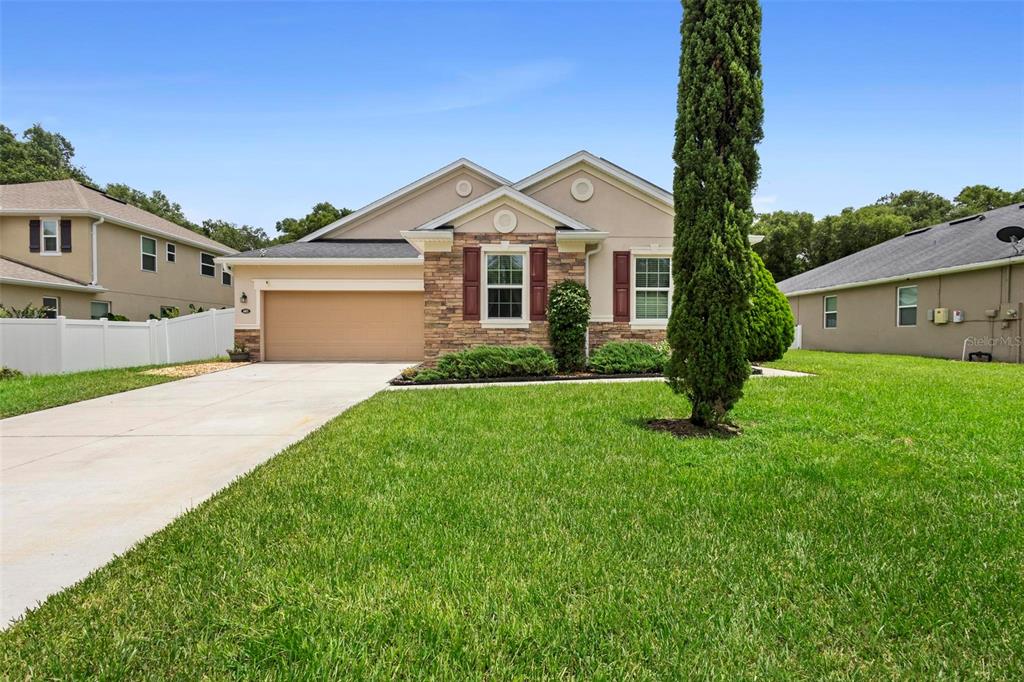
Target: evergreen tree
(719,122)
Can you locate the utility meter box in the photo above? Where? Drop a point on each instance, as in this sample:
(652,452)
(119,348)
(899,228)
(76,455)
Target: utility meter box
(958,316)
(941,315)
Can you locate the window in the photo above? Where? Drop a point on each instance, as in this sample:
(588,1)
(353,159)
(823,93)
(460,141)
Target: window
(225,276)
(172,252)
(206,266)
(51,304)
(831,312)
(653,288)
(906,306)
(505,286)
(148,254)
(99,309)
(51,235)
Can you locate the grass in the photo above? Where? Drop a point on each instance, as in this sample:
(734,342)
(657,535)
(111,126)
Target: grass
(31,393)
(868,524)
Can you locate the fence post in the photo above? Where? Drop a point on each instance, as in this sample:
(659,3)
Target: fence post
(61,344)
(213,321)
(103,336)
(167,339)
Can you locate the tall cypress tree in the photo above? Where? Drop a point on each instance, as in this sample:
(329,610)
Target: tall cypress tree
(719,122)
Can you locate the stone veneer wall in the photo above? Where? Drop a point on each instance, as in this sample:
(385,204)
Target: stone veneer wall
(251,338)
(603,332)
(444,329)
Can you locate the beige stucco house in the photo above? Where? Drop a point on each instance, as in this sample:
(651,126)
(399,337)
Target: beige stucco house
(83,254)
(947,290)
(463,257)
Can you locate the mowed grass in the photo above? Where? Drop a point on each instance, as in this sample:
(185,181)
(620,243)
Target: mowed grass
(868,524)
(42,391)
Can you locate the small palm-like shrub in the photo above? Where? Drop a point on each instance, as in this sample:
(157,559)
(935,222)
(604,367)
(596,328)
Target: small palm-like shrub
(629,357)
(490,362)
(769,319)
(568,316)
(9,373)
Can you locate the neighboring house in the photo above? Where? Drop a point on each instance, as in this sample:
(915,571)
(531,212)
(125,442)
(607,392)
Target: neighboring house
(464,257)
(924,293)
(86,255)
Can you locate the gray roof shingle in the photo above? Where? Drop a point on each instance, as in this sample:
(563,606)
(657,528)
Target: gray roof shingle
(947,245)
(352,248)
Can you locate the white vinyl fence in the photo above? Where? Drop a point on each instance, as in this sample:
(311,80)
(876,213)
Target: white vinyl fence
(798,337)
(63,345)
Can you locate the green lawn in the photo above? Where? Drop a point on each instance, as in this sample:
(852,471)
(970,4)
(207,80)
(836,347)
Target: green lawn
(39,392)
(868,524)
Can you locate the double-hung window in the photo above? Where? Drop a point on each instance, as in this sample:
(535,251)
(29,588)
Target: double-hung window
(225,276)
(51,304)
(653,286)
(99,309)
(51,235)
(906,306)
(148,254)
(831,312)
(505,286)
(172,252)
(206,266)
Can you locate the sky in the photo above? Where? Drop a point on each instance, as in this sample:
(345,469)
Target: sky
(252,112)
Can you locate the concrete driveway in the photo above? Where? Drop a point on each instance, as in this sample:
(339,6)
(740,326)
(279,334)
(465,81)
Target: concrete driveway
(83,482)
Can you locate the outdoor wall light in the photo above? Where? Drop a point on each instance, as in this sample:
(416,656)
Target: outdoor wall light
(243,298)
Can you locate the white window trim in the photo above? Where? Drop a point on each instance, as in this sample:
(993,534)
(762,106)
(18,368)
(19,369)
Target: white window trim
(825,311)
(505,248)
(142,254)
(901,307)
(171,252)
(56,308)
(648,323)
(42,236)
(213,264)
(109,308)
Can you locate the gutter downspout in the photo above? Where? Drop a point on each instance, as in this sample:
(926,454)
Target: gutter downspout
(95,252)
(586,283)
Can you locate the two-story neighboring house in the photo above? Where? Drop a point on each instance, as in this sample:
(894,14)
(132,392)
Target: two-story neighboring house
(83,254)
(463,257)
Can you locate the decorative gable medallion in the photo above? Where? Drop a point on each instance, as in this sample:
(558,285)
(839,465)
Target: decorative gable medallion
(463,188)
(505,221)
(582,189)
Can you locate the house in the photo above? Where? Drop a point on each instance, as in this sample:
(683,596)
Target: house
(82,254)
(944,291)
(463,257)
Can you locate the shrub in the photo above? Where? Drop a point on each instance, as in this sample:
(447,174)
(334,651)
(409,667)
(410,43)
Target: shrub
(117,318)
(568,316)
(487,362)
(9,373)
(28,312)
(629,357)
(769,319)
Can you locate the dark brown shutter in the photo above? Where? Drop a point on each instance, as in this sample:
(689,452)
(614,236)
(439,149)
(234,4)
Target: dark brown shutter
(34,231)
(620,286)
(65,235)
(471,282)
(538,283)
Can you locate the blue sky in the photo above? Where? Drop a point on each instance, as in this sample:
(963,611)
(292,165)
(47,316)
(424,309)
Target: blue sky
(254,111)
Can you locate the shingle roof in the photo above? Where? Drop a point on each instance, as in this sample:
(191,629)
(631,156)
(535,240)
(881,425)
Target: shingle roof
(68,195)
(352,248)
(957,243)
(16,270)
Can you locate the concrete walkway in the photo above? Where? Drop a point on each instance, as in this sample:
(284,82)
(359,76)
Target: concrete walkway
(83,482)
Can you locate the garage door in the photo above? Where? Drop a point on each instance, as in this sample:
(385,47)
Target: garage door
(343,325)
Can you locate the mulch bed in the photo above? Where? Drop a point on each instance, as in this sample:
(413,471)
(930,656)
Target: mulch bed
(684,428)
(401,381)
(193,370)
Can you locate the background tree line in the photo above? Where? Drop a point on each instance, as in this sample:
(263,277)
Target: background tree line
(43,155)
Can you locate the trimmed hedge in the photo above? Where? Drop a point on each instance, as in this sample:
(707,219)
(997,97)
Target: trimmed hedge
(568,316)
(490,362)
(629,357)
(770,324)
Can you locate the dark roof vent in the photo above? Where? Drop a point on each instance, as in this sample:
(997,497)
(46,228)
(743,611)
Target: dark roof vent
(917,231)
(969,218)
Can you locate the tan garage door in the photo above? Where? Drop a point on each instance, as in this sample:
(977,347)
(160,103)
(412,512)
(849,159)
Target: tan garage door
(343,325)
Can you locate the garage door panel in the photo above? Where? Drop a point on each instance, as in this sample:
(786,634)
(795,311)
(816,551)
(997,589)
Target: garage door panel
(343,325)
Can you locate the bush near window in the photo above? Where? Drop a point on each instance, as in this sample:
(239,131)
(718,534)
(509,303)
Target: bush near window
(490,362)
(629,357)
(568,316)
(769,320)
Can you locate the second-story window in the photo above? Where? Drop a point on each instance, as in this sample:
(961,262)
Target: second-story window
(172,252)
(206,266)
(148,254)
(51,238)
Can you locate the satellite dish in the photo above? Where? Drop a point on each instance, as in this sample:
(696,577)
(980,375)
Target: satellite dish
(1012,234)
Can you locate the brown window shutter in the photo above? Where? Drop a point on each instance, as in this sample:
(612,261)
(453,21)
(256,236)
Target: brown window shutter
(538,283)
(65,235)
(471,282)
(620,286)
(35,230)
